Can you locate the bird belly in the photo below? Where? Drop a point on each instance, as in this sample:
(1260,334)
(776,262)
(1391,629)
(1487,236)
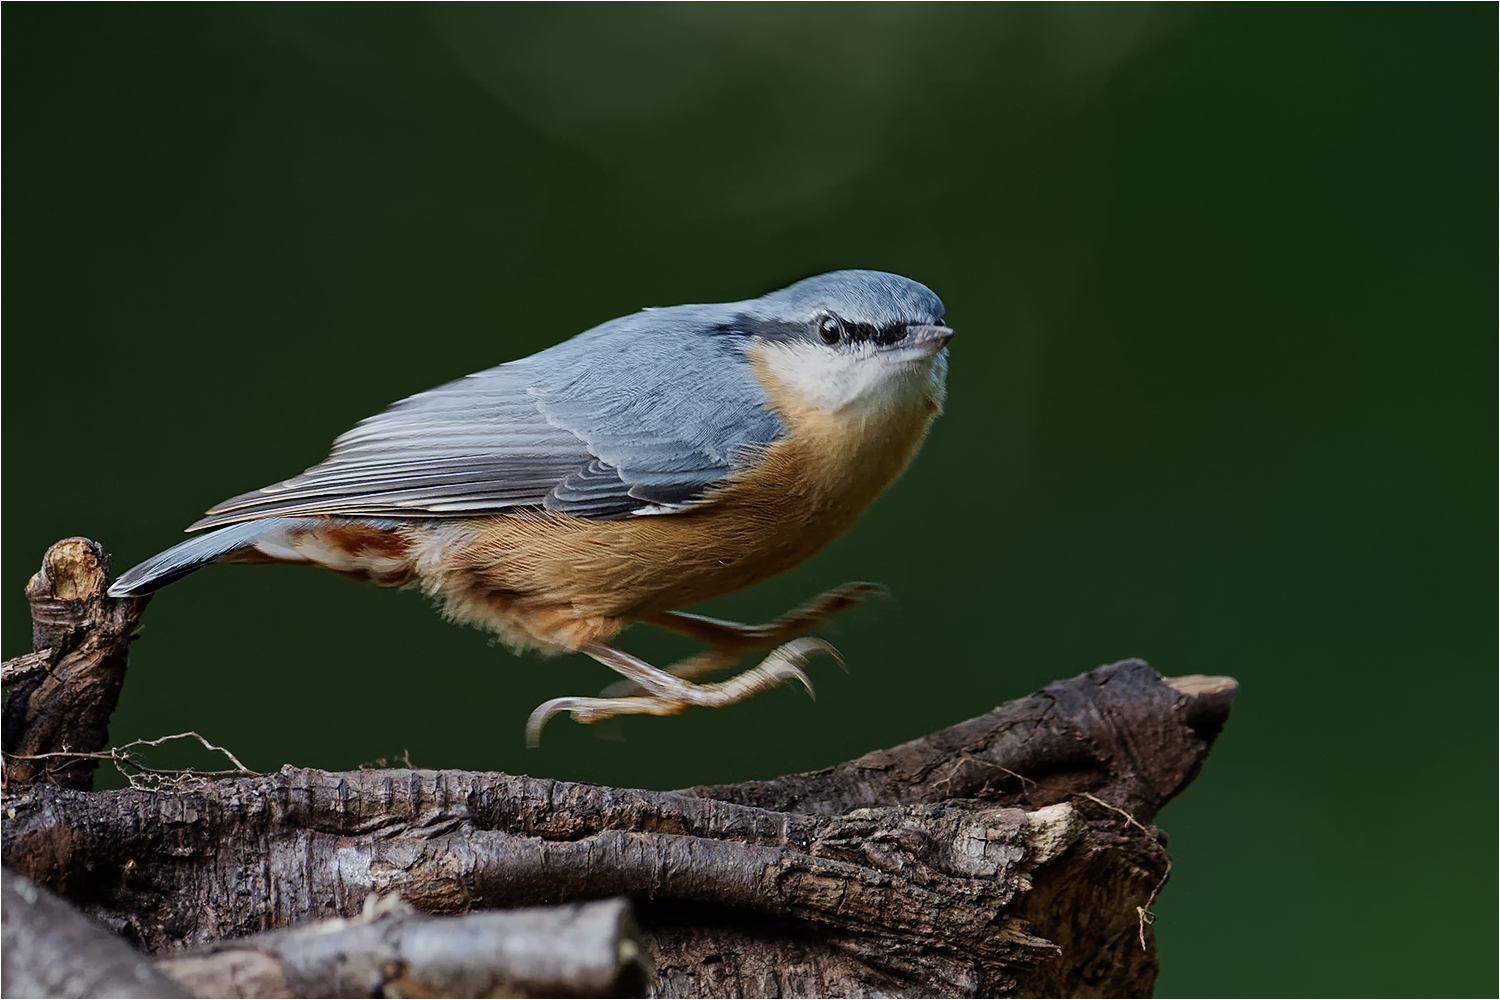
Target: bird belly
(549,580)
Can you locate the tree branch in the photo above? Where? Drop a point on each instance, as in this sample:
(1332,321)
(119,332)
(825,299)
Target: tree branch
(1007,855)
(43,937)
(579,950)
(26,666)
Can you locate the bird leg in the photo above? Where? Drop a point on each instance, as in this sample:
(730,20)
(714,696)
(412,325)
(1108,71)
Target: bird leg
(726,636)
(650,690)
(668,694)
(730,640)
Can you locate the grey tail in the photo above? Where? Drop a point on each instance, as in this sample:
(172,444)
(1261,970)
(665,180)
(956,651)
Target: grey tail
(180,560)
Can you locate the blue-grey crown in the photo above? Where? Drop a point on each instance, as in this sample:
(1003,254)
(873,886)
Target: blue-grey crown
(878,298)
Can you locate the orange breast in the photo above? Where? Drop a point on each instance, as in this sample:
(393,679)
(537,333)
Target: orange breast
(564,581)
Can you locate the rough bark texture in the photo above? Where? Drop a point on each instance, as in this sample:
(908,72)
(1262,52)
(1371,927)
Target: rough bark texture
(583,950)
(990,891)
(1122,733)
(42,938)
(1005,855)
(83,635)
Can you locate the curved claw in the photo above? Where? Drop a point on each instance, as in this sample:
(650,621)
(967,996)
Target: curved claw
(810,645)
(786,661)
(776,673)
(540,716)
(585,710)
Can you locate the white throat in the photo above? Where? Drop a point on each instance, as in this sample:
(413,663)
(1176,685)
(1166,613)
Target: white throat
(866,381)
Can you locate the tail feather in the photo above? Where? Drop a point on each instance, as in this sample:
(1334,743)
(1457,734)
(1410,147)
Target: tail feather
(180,560)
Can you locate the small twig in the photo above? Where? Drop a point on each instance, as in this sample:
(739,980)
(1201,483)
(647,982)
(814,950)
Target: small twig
(1019,777)
(21,667)
(206,745)
(404,759)
(1144,912)
(121,757)
(960,759)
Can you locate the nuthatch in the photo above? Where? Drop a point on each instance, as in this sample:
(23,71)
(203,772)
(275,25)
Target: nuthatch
(653,461)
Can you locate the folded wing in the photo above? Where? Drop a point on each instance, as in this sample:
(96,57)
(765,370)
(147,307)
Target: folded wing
(636,416)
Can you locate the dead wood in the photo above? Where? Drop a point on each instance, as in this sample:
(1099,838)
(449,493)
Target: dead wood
(66,692)
(1007,855)
(43,937)
(1122,733)
(26,666)
(576,950)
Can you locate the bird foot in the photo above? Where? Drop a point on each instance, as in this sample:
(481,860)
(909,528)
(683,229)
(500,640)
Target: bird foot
(725,636)
(710,662)
(731,640)
(669,695)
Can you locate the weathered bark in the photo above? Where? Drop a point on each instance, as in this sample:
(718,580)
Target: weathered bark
(42,939)
(1005,855)
(968,895)
(82,635)
(579,950)
(26,666)
(1122,733)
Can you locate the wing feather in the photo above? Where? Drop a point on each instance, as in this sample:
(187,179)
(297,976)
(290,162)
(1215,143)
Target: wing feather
(637,415)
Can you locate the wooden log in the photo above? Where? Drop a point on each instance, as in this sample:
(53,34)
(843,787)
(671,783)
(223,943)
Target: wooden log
(578,950)
(1010,854)
(52,950)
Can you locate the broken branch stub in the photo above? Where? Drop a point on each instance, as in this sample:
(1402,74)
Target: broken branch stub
(86,635)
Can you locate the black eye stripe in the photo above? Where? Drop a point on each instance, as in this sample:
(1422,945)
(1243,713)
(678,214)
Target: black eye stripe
(871,334)
(785,330)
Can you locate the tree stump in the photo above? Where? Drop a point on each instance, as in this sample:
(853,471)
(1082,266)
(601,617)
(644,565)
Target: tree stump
(1008,855)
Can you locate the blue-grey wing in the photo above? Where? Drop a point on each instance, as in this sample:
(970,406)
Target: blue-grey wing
(635,416)
(665,397)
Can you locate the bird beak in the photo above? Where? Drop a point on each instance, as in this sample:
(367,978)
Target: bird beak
(922,341)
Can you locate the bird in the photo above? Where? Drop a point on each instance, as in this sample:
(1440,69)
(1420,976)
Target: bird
(663,458)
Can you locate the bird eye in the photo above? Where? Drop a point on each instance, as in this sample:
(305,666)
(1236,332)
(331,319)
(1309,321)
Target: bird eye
(831,330)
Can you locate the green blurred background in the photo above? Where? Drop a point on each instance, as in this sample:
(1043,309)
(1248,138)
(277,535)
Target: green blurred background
(1222,395)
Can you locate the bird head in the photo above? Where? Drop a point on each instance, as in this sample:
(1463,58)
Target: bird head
(865,340)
